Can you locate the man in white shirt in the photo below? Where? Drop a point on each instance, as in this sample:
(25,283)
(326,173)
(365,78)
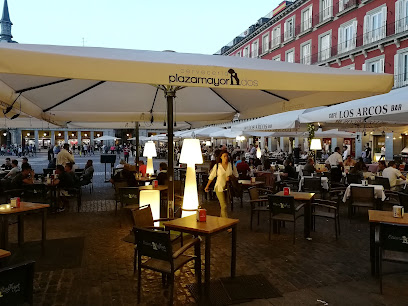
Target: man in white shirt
(64,156)
(345,152)
(15,169)
(392,173)
(335,159)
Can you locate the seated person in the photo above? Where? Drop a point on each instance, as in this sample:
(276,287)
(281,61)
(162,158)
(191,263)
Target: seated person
(392,173)
(267,165)
(243,169)
(142,167)
(52,164)
(25,176)
(381,166)
(349,161)
(358,169)
(309,167)
(363,165)
(289,171)
(121,164)
(64,180)
(7,165)
(162,176)
(14,170)
(304,155)
(68,170)
(24,161)
(238,159)
(87,175)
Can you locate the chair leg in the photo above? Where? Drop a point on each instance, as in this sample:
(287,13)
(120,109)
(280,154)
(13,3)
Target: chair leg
(171,288)
(338,222)
(139,277)
(163,279)
(258,217)
(197,268)
(380,268)
(252,215)
(294,232)
(135,261)
(270,226)
(335,226)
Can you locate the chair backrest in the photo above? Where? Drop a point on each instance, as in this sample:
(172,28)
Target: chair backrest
(178,187)
(129,195)
(333,204)
(16,283)
(312,184)
(394,237)
(353,178)
(143,217)
(385,182)
(253,193)
(154,244)
(361,194)
(306,173)
(281,204)
(260,179)
(403,199)
(336,174)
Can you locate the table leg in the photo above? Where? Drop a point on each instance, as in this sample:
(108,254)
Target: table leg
(44,230)
(4,232)
(234,251)
(207,266)
(308,218)
(20,230)
(372,248)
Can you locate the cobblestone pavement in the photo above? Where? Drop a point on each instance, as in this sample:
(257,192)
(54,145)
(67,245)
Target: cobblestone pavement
(314,272)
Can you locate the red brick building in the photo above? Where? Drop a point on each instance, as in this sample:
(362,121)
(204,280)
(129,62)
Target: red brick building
(354,34)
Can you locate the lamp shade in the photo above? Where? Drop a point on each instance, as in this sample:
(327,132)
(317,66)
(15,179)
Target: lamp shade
(315,144)
(149,149)
(191,152)
(151,197)
(258,152)
(208,143)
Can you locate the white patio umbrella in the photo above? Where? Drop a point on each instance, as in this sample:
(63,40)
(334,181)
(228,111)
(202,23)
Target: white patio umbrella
(141,138)
(106,138)
(60,84)
(334,133)
(378,111)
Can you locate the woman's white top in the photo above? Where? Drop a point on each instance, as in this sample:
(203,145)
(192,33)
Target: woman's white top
(222,175)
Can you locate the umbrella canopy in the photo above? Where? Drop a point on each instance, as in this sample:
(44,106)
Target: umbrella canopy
(59,83)
(141,138)
(334,133)
(124,125)
(207,131)
(106,138)
(377,111)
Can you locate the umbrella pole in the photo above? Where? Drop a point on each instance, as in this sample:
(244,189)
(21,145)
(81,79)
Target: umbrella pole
(170,168)
(137,143)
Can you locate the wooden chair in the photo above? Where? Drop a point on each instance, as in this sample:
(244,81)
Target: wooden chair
(129,197)
(385,182)
(157,246)
(328,210)
(258,204)
(73,193)
(393,239)
(353,178)
(117,185)
(361,197)
(283,209)
(313,184)
(403,200)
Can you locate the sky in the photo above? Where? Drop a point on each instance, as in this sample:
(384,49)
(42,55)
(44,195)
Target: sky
(187,26)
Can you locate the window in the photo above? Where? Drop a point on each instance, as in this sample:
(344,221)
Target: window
(401,68)
(375,25)
(290,56)
(347,36)
(246,52)
(345,4)
(265,43)
(289,28)
(238,54)
(326,10)
(401,16)
(255,51)
(277,58)
(276,37)
(374,65)
(306,19)
(324,46)
(305,53)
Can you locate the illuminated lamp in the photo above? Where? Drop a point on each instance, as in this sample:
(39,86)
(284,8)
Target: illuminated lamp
(151,197)
(258,152)
(149,152)
(315,145)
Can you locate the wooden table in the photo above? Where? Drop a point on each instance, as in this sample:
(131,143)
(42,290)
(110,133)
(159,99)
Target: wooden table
(376,217)
(4,253)
(25,207)
(248,183)
(307,198)
(212,226)
(150,187)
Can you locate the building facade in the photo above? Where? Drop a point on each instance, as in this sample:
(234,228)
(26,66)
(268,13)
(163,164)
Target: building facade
(354,34)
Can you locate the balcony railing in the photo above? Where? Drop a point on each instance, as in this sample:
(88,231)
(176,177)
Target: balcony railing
(325,14)
(344,4)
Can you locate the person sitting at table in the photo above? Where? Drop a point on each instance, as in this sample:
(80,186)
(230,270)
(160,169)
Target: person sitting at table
(267,166)
(24,161)
(238,159)
(7,165)
(304,155)
(243,169)
(349,161)
(64,180)
(24,177)
(381,166)
(162,177)
(363,165)
(14,170)
(87,174)
(358,169)
(309,167)
(121,164)
(289,171)
(68,169)
(52,164)
(392,173)
(142,167)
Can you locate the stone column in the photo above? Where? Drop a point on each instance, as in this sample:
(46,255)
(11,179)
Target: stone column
(296,142)
(52,137)
(389,146)
(358,145)
(270,144)
(66,136)
(333,143)
(79,137)
(91,137)
(282,143)
(36,139)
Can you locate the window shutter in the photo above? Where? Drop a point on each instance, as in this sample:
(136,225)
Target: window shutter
(353,42)
(279,36)
(363,67)
(397,15)
(382,62)
(340,39)
(366,29)
(341,5)
(396,70)
(384,21)
(285,31)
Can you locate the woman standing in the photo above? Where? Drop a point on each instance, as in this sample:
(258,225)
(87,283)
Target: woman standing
(222,170)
